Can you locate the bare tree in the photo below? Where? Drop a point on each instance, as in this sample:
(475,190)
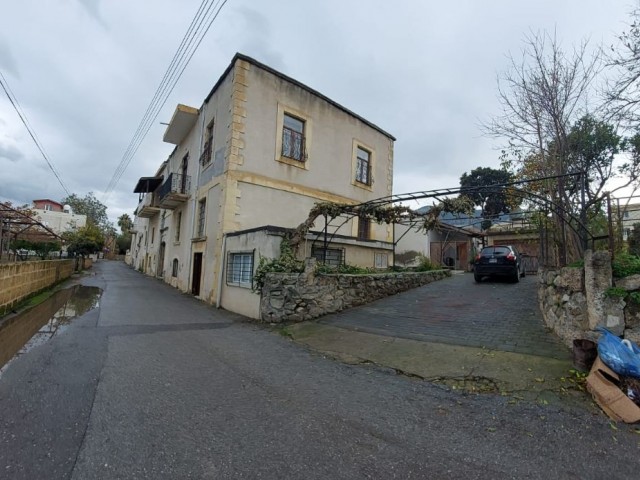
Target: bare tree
(542,95)
(623,90)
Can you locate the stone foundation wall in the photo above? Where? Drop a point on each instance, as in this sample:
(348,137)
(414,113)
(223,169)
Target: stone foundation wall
(304,296)
(574,303)
(20,280)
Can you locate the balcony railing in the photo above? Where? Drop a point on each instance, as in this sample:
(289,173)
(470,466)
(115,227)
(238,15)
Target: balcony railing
(174,191)
(148,206)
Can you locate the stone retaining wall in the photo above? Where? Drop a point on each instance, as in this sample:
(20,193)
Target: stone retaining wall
(288,297)
(574,303)
(20,280)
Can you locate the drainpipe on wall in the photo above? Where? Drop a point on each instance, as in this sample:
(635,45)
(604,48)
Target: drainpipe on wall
(221,271)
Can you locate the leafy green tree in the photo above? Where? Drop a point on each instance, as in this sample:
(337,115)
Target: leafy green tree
(90,206)
(85,240)
(493,200)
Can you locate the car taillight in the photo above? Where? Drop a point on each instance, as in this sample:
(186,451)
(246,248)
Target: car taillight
(478,257)
(511,257)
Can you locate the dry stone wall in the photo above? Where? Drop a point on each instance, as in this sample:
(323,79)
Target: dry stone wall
(574,300)
(304,296)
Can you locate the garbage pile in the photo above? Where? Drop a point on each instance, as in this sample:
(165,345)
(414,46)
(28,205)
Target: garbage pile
(614,380)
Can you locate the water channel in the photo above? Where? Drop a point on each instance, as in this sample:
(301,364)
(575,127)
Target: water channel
(37,325)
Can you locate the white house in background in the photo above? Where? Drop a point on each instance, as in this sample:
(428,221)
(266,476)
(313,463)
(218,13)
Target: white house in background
(59,218)
(251,162)
(629,215)
(446,246)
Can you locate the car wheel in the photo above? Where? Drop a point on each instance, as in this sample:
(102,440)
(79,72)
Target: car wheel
(516,276)
(477,277)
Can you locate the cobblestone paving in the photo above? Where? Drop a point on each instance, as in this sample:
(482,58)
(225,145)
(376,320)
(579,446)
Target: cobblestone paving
(494,314)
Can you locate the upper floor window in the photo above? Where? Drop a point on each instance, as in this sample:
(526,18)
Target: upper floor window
(207,149)
(364,228)
(363,166)
(47,208)
(184,179)
(293,138)
(202,207)
(178,226)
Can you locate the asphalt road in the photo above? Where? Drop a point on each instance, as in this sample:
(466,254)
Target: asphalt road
(154,384)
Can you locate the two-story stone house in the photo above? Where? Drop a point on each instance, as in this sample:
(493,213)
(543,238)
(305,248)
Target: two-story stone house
(250,162)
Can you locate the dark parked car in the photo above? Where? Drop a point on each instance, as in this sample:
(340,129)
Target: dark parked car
(498,260)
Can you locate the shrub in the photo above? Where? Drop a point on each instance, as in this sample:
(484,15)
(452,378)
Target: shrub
(625,264)
(424,265)
(344,269)
(635,297)
(285,263)
(615,292)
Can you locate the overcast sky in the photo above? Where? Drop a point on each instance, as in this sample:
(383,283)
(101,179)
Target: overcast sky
(84,72)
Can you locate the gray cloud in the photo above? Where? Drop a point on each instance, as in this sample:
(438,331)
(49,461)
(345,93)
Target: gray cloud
(424,71)
(7,61)
(10,153)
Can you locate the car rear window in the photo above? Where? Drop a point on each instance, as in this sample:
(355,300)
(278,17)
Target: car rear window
(496,251)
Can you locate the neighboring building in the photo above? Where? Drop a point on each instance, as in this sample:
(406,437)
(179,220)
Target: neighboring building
(59,218)
(446,246)
(458,238)
(250,162)
(628,215)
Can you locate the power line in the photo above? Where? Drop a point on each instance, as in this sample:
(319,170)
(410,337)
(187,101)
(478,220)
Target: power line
(204,17)
(23,117)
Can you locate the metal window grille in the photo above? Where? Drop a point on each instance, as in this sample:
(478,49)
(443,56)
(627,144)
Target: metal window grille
(292,144)
(205,157)
(330,256)
(240,269)
(201,217)
(363,167)
(293,138)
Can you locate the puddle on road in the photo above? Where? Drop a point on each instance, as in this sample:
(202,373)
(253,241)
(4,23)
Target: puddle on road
(33,327)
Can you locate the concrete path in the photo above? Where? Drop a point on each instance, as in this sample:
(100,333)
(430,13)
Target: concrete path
(154,384)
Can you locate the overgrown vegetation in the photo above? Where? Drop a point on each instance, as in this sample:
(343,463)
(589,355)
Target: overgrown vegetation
(285,263)
(42,249)
(424,265)
(615,292)
(344,269)
(625,264)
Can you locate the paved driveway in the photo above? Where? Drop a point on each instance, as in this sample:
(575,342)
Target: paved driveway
(494,314)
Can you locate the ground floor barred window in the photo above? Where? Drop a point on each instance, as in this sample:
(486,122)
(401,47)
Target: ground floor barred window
(240,269)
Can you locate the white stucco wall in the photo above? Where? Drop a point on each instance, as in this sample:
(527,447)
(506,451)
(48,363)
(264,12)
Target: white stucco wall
(240,299)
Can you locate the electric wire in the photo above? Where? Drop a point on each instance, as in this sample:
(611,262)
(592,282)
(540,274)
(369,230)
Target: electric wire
(200,25)
(23,117)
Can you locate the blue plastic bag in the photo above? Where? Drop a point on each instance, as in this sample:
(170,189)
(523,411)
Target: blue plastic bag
(621,356)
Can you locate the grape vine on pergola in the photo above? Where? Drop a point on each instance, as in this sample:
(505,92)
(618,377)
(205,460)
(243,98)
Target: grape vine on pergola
(391,209)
